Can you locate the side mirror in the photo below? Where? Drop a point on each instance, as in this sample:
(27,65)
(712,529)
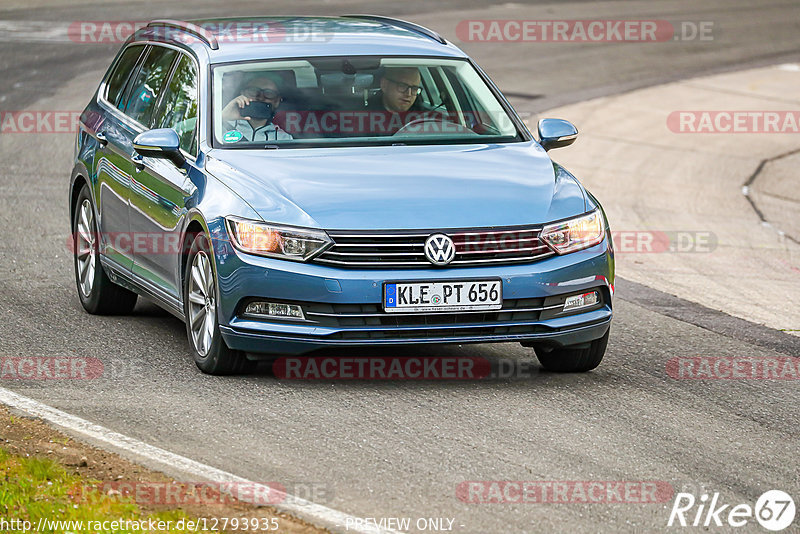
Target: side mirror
(555,133)
(161,143)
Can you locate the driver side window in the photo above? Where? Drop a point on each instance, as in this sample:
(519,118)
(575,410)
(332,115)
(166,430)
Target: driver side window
(146,87)
(179,107)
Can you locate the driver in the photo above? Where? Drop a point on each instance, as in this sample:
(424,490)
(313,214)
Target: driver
(248,115)
(398,102)
(400,87)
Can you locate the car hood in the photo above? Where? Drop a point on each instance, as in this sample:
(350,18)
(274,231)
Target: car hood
(401,187)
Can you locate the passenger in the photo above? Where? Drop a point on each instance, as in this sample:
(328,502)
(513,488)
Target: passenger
(248,115)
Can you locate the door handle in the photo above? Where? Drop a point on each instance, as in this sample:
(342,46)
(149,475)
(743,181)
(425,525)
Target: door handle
(101,138)
(138,162)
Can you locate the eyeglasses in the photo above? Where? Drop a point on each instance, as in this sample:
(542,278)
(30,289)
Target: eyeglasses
(405,88)
(257,92)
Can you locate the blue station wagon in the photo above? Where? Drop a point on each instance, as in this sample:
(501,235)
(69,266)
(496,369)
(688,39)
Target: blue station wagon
(298,183)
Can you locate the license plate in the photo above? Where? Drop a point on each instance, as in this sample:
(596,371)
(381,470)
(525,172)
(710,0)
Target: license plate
(461,295)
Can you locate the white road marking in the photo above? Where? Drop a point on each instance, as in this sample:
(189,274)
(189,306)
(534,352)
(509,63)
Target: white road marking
(31,31)
(314,513)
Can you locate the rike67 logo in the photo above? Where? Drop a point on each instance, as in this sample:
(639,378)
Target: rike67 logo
(774,510)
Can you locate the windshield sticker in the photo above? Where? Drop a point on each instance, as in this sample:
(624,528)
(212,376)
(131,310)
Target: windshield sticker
(232,136)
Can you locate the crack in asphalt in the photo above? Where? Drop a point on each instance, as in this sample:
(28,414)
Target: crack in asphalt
(749,182)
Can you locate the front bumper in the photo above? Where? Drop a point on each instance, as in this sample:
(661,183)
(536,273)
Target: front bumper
(243,277)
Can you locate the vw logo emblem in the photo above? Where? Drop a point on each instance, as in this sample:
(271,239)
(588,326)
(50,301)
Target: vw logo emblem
(439,249)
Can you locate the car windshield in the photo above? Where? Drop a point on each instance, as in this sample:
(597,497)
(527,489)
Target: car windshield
(360,100)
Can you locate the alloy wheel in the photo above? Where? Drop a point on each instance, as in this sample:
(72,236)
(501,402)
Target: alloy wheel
(202,303)
(86,250)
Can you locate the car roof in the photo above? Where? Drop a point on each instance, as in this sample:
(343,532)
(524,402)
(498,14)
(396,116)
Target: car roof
(242,39)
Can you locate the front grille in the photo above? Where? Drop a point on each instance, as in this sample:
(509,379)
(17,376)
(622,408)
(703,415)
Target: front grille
(440,333)
(370,321)
(355,315)
(406,249)
(426,324)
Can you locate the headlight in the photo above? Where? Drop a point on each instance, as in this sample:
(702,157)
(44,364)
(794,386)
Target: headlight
(276,241)
(576,234)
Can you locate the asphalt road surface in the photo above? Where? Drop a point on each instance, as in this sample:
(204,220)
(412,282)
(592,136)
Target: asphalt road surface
(388,449)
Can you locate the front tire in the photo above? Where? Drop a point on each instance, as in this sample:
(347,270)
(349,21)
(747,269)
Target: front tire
(209,350)
(98,294)
(574,360)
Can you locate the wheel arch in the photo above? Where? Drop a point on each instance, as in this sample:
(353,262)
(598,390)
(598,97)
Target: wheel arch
(77,181)
(196,225)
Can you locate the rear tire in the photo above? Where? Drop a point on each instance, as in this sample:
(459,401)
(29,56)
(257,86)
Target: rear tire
(574,360)
(98,294)
(209,350)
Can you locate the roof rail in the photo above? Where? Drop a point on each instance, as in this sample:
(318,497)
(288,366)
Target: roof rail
(402,24)
(188,27)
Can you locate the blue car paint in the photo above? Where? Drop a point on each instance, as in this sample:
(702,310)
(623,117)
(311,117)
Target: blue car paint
(379,187)
(409,187)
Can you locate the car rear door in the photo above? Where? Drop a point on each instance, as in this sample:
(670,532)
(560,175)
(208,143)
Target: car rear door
(112,163)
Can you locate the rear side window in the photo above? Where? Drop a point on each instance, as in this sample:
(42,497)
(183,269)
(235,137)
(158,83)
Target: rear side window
(179,108)
(122,71)
(144,91)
